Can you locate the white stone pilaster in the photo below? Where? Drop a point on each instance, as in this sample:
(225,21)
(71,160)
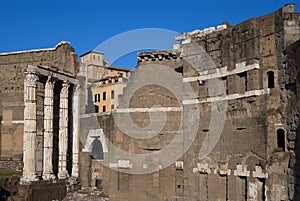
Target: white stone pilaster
(63,131)
(30,129)
(75,148)
(48,131)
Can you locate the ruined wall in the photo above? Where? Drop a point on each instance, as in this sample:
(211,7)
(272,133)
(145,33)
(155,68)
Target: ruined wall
(122,186)
(259,120)
(254,157)
(43,190)
(290,91)
(12,68)
(91,122)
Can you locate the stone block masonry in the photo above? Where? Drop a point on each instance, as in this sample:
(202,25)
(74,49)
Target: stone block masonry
(254,159)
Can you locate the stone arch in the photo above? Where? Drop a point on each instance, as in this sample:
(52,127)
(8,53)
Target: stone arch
(96,134)
(211,162)
(97,150)
(233,162)
(255,184)
(251,162)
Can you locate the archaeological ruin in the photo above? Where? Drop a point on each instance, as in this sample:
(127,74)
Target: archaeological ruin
(256,154)
(38,121)
(216,118)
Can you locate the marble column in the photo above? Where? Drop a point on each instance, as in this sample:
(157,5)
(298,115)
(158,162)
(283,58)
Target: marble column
(30,129)
(75,148)
(63,131)
(48,131)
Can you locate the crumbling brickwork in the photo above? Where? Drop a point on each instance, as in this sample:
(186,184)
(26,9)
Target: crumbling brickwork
(254,159)
(290,96)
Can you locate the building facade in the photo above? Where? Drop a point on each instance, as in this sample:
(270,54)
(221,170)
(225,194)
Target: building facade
(105,82)
(106,91)
(95,67)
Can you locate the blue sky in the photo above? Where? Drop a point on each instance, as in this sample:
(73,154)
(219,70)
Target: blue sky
(34,24)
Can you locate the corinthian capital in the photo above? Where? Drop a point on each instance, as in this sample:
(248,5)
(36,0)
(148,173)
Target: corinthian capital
(30,79)
(50,83)
(77,90)
(65,89)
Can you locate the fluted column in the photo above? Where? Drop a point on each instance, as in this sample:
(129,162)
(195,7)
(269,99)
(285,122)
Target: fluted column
(75,148)
(30,129)
(48,131)
(63,131)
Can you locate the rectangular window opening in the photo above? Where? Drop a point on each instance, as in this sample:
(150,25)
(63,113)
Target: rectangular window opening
(112,94)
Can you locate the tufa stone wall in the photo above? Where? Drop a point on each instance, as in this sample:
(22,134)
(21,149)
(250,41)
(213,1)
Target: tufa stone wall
(255,155)
(290,95)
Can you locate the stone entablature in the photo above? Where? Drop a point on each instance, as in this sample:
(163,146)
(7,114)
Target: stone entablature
(157,55)
(186,37)
(65,82)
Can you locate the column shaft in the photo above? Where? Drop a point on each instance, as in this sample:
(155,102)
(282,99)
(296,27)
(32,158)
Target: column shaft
(30,129)
(75,148)
(48,131)
(63,132)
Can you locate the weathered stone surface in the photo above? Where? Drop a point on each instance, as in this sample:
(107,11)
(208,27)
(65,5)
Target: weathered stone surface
(12,68)
(39,120)
(87,194)
(253,159)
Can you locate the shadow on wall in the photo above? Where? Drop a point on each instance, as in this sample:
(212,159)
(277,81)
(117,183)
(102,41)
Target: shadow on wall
(297,166)
(0,134)
(4,194)
(90,108)
(297,148)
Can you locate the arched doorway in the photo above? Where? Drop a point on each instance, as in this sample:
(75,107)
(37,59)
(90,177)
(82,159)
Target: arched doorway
(97,150)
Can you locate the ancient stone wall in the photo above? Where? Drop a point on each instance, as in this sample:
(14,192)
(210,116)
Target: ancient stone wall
(251,160)
(10,164)
(12,70)
(43,190)
(290,96)
(13,67)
